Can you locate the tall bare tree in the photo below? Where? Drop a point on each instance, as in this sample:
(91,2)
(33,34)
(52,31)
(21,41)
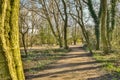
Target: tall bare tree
(23,28)
(78,17)
(65,20)
(51,14)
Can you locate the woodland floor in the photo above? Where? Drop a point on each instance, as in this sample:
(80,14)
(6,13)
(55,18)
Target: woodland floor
(75,65)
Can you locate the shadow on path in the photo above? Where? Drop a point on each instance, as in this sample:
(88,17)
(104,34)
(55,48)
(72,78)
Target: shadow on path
(104,77)
(75,61)
(61,72)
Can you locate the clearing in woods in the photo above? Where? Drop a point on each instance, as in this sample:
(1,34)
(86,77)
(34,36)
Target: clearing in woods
(75,65)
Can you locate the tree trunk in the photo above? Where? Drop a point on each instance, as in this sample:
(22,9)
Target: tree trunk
(10,58)
(97,34)
(65,25)
(103,26)
(108,29)
(74,42)
(75,35)
(96,21)
(60,42)
(111,21)
(24,45)
(113,12)
(65,36)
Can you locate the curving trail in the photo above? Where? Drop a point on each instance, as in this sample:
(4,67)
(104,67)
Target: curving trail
(75,65)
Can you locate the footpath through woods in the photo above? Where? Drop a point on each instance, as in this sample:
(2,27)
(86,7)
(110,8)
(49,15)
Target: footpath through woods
(75,65)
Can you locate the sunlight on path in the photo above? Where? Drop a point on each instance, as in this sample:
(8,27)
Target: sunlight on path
(75,65)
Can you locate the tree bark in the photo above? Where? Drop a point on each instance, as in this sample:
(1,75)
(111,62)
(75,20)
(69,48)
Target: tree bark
(103,26)
(10,61)
(111,21)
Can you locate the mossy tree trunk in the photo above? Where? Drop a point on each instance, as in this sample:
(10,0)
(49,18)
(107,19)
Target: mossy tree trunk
(10,59)
(113,12)
(96,20)
(103,26)
(111,16)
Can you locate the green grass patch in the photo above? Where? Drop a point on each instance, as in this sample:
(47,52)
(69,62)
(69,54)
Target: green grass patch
(111,62)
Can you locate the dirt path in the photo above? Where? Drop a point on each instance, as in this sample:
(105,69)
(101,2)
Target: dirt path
(76,65)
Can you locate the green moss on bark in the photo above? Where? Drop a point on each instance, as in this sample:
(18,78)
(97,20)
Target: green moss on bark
(10,61)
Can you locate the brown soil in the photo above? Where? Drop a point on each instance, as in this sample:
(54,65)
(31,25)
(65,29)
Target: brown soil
(75,65)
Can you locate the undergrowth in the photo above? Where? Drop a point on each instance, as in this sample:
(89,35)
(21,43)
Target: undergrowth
(111,63)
